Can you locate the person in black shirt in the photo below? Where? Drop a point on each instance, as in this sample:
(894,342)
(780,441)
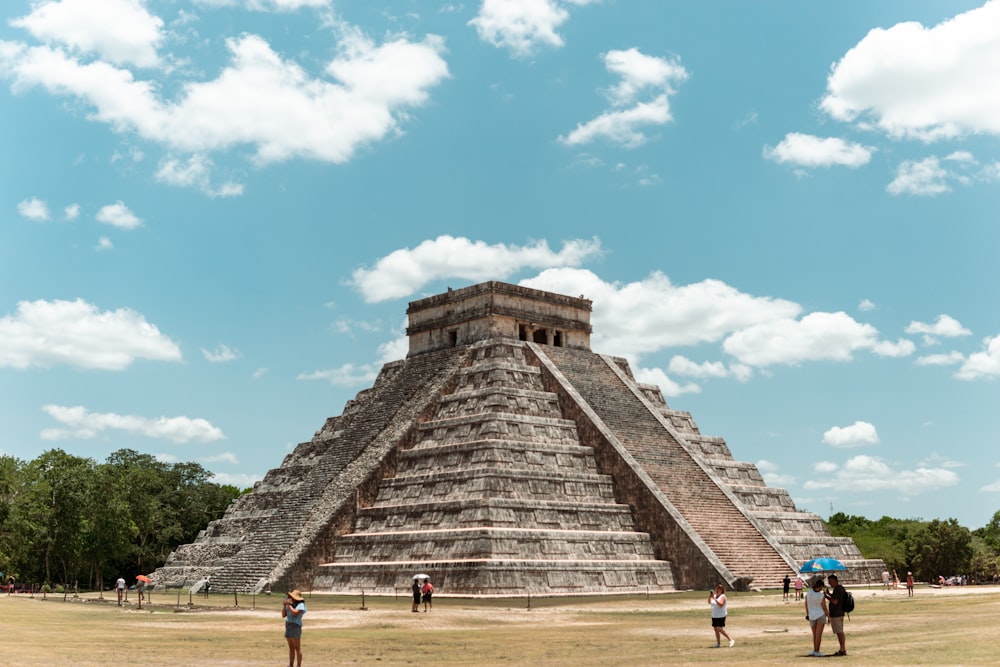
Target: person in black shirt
(836,599)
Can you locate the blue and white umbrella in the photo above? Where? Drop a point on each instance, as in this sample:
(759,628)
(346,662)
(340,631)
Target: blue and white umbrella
(818,565)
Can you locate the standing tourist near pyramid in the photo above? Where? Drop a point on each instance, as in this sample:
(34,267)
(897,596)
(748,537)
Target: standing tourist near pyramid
(504,457)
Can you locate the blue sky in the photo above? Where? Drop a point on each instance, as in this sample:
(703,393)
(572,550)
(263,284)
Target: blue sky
(214,212)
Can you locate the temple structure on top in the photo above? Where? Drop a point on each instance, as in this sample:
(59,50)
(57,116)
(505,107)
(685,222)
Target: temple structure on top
(504,457)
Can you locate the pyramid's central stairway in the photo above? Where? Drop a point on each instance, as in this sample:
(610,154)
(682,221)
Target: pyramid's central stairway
(504,457)
(497,494)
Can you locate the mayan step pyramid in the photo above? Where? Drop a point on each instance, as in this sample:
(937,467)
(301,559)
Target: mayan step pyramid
(503,457)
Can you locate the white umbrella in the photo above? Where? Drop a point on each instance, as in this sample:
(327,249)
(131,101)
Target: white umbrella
(421,576)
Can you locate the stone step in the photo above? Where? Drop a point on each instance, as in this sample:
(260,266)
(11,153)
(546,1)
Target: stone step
(500,578)
(466,513)
(494,543)
(488,482)
(500,426)
(530,455)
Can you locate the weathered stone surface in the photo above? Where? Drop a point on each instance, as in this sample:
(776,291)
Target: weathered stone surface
(503,457)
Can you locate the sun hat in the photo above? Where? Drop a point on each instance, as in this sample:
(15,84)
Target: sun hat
(296,595)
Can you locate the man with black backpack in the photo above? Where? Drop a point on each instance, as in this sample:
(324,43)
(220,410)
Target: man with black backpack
(837,598)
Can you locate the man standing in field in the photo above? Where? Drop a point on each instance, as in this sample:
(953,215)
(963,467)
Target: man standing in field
(836,598)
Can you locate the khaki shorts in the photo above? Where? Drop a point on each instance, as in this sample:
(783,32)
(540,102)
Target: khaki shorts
(837,624)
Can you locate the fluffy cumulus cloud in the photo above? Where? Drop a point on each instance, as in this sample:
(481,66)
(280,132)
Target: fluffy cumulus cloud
(680,365)
(259,99)
(195,171)
(79,423)
(920,177)
(667,384)
(76,333)
(33,209)
(639,100)
(131,38)
(869,473)
(220,354)
(816,336)
(857,434)
(521,26)
(268,5)
(806,150)
(632,319)
(350,375)
(924,82)
(945,327)
(982,365)
(403,272)
(118,215)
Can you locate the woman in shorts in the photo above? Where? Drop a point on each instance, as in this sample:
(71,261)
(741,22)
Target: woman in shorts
(292,610)
(816,613)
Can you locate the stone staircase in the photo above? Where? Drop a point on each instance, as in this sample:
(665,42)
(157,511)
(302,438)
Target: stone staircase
(497,494)
(710,509)
(265,533)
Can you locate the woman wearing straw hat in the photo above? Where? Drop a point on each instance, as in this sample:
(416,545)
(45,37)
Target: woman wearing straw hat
(292,610)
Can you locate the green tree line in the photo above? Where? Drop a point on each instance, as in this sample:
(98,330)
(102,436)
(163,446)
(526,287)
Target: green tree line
(68,520)
(929,549)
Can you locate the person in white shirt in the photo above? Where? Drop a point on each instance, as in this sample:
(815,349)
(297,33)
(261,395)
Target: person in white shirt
(717,599)
(120,587)
(816,613)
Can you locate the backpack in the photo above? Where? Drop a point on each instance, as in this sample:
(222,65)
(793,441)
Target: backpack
(848,602)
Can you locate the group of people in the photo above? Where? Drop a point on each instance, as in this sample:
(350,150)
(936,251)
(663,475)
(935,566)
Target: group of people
(824,607)
(422,592)
(786,584)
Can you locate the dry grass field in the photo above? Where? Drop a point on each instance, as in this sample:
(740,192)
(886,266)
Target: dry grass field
(935,627)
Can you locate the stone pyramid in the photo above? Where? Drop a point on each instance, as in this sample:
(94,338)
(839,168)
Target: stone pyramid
(503,457)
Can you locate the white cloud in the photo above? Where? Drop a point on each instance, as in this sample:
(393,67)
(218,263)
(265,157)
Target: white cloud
(680,365)
(118,215)
(925,177)
(33,209)
(856,435)
(928,83)
(641,76)
(268,5)
(403,272)
(945,327)
(72,212)
(806,150)
(195,172)
(239,480)
(220,354)
(223,457)
(829,336)
(948,359)
(80,423)
(985,364)
(521,26)
(75,333)
(349,375)
(259,99)
(122,32)
(104,243)
(868,473)
(667,385)
(631,319)
(866,306)
(772,475)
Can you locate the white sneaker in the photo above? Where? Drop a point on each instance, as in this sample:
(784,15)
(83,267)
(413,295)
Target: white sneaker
(817,654)
(732,642)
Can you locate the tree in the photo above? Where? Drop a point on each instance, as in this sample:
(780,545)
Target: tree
(942,548)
